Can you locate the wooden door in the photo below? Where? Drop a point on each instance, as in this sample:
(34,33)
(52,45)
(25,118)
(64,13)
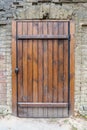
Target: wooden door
(44,71)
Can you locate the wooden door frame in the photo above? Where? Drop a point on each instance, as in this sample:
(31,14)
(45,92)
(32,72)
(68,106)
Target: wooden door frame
(72,66)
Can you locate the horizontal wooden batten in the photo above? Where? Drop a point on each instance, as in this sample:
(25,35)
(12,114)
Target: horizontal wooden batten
(37,37)
(26,104)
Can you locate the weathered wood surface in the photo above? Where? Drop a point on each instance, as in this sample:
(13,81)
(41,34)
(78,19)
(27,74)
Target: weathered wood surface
(43,68)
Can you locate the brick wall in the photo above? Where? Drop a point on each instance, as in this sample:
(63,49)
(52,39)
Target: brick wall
(75,10)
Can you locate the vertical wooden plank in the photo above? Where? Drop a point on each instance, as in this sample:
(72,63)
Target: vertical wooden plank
(60,96)
(55,112)
(30,112)
(55,68)
(65,63)
(60,112)
(72,66)
(30,94)
(25,63)
(45,62)
(65,110)
(50,68)
(40,71)
(25,67)
(35,78)
(20,66)
(35,68)
(45,85)
(30,69)
(50,60)
(14,85)
(40,112)
(55,63)
(40,65)
(60,69)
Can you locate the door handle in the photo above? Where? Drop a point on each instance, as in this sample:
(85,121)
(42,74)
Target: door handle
(16,70)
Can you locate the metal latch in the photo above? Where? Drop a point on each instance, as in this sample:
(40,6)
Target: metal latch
(16,70)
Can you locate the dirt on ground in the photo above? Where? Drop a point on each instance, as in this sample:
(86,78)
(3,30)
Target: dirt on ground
(14,123)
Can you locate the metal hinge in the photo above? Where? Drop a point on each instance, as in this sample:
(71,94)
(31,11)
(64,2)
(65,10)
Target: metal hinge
(69,106)
(16,70)
(69,37)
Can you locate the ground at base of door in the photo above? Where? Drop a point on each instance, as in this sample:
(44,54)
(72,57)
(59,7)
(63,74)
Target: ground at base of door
(15,123)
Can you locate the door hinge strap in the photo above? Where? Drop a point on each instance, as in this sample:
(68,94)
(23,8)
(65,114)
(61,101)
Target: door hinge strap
(69,37)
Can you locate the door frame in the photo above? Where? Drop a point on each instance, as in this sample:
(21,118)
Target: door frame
(72,65)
